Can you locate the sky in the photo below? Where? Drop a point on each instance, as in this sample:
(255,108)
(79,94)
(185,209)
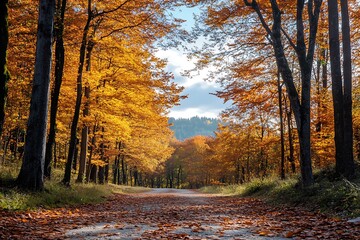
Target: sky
(199,102)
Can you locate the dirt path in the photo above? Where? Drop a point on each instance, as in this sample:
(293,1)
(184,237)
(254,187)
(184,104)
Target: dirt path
(175,214)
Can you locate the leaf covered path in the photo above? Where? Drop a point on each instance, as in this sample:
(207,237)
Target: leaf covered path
(175,214)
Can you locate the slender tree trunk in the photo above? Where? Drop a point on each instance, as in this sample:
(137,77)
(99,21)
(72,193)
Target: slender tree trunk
(349,166)
(282,141)
(86,112)
(67,175)
(337,93)
(59,69)
(318,124)
(76,153)
(89,164)
(107,173)
(93,173)
(115,170)
(83,150)
(291,144)
(31,175)
(101,175)
(123,168)
(4,73)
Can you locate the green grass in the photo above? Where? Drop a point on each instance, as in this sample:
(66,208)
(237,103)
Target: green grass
(55,194)
(329,194)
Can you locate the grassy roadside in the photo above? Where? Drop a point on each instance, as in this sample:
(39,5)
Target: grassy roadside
(57,195)
(330,194)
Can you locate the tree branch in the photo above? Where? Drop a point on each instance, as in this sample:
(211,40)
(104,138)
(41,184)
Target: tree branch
(111,10)
(313,27)
(123,28)
(255,6)
(292,44)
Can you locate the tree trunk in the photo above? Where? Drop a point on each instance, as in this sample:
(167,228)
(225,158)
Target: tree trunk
(75,120)
(32,170)
(123,168)
(4,73)
(76,153)
(89,164)
(341,100)
(82,161)
(101,175)
(106,173)
(291,144)
(59,69)
(282,141)
(115,170)
(86,112)
(336,78)
(93,173)
(349,166)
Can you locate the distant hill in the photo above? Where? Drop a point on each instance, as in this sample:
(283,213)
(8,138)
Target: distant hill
(186,128)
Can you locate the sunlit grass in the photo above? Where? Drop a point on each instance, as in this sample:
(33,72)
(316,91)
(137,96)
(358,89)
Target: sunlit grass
(56,194)
(330,194)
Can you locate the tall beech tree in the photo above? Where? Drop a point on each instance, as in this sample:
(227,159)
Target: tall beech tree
(32,169)
(4,73)
(341,87)
(59,69)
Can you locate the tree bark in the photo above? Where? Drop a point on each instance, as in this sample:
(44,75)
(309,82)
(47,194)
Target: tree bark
(336,78)
(32,170)
(59,69)
(4,73)
(86,112)
(291,144)
(349,166)
(282,141)
(342,94)
(342,99)
(123,168)
(83,150)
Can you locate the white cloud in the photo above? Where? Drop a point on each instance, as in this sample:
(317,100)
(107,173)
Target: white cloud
(178,63)
(192,112)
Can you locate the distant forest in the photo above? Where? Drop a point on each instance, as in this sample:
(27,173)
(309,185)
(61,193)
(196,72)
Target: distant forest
(186,128)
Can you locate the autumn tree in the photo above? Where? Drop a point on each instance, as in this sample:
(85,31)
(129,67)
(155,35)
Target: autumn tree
(32,170)
(4,73)
(21,60)
(59,69)
(276,21)
(341,87)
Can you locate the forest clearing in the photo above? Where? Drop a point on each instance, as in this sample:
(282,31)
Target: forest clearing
(87,148)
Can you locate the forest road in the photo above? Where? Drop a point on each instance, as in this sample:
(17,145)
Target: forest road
(175,214)
(164,213)
(187,214)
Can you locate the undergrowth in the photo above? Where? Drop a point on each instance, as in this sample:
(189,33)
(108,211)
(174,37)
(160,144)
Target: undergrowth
(330,193)
(55,194)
